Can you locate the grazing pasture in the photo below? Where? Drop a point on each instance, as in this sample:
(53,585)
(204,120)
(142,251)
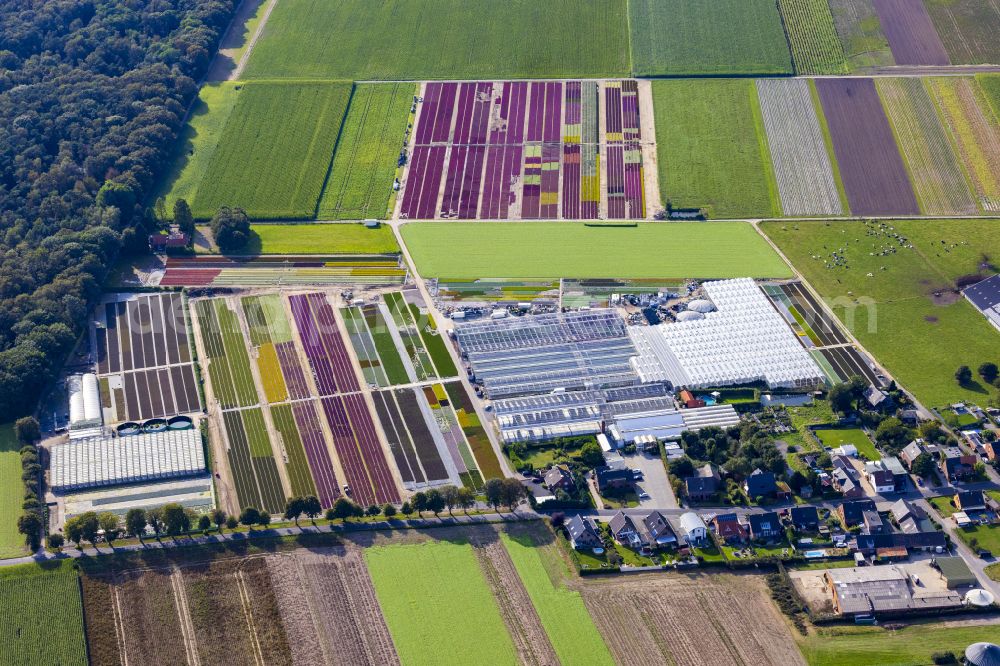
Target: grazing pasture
(874,175)
(816,49)
(907,312)
(572,250)
(719,37)
(340,238)
(442,39)
(861,34)
(912,645)
(976,131)
(911,35)
(968,29)
(938,178)
(712,149)
(443,580)
(275,151)
(41,616)
(360,180)
(802,164)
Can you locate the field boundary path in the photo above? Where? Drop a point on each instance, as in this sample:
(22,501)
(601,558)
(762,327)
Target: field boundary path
(223,60)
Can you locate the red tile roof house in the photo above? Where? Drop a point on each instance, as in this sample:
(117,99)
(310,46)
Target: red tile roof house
(728,527)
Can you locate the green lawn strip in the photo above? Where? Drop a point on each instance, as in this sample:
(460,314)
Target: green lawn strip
(11,493)
(835,437)
(885,295)
(340,238)
(41,615)
(709,148)
(549,250)
(437,604)
(828,141)
(198,141)
(434,39)
(719,37)
(910,645)
(943,506)
(985,536)
(364,165)
(563,614)
(434,343)
(298,464)
(275,151)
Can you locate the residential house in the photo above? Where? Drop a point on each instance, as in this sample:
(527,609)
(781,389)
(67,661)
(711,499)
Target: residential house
(899,474)
(911,518)
(558,477)
(909,417)
(805,518)
(704,485)
(174,240)
(911,452)
(970,501)
(845,478)
(693,528)
(659,530)
(873,523)
(583,534)
(852,513)
(614,478)
(765,526)
(760,484)
(957,465)
(878,399)
(847,450)
(625,531)
(926,540)
(992,450)
(882,481)
(729,528)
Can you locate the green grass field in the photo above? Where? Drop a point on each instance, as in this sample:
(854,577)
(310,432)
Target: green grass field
(437,604)
(198,141)
(981,536)
(566,620)
(273,156)
(341,238)
(41,616)
(675,37)
(360,180)
(712,149)
(910,646)
(455,250)
(920,338)
(990,85)
(11,493)
(860,33)
(968,29)
(816,49)
(835,437)
(442,39)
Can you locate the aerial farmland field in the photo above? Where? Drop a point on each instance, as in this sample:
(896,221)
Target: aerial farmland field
(938,179)
(360,180)
(442,39)
(912,645)
(41,616)
(11,493)
(816,49)
(565,249)
(712,148)
(274,153)
(911,35)
(341,238)
(901,303)
(720,37)
(861,34)
(968,29)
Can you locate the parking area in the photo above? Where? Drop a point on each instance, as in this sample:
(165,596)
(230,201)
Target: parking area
(654,483)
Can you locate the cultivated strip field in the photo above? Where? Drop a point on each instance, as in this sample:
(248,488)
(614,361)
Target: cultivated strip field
(861,34)
(402,415)
(442,39)
(940,184)
(976,131)
(911,35)
(968,29)
(284,270)
(695,619)
(874,175)
(711,148)
(275,151)
(816,49)
(364,164)
(798,152)
(42,619)
(719,37)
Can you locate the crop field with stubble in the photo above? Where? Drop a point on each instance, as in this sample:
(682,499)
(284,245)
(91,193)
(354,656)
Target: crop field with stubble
(275,151)
(816,48)
(968,29)
(442,39)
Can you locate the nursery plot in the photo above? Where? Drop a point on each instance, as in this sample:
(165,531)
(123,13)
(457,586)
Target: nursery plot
(816,48)
(251,460)
(446,419)
(976,131)
(229,370)
(364,165)
(911,35)
(801,161)
(861,34)
(275,151)
(968,29)
(874,175)
(413,446)
(677,37)
(479,441)
(284,270)
(940,184)
(298,463)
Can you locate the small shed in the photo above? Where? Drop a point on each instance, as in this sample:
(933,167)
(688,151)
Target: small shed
(955,572)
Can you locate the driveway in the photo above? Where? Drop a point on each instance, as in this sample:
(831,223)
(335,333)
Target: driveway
(654,483)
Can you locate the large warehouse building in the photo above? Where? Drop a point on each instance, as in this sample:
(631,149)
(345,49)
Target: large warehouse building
(744,340)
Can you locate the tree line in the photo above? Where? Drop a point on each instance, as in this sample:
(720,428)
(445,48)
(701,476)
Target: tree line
(93,94)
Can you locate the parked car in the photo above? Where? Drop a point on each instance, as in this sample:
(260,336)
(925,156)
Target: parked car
(984,554)
(644,495)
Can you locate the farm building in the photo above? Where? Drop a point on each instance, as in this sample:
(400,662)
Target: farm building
(882,590)
(670,423)
(955,572)
(745,340)
(985,296)
(85,418)
(109,461)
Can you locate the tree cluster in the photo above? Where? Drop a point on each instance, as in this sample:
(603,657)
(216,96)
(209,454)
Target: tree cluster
(739,450)
(93,94)
(31,523)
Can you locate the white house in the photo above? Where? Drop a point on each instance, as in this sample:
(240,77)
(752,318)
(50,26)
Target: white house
(693,527)
(845,450)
